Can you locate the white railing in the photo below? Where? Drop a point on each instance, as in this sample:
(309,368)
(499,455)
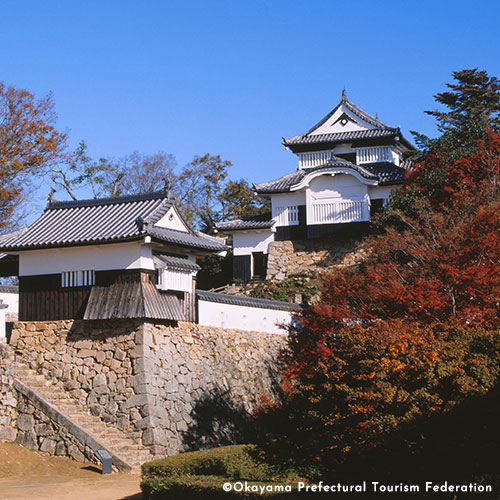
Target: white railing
(341,212)
(372,155)
(307,160)
(286,216)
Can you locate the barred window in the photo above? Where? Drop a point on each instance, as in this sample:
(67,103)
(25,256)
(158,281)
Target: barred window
(77,278)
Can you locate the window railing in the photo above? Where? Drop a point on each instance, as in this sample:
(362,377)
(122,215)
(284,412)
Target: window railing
(77,278)
(286,216)
(314,159)
(341,212)
(174,279)
(373,155)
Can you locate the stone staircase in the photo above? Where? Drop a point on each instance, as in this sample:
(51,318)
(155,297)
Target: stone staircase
(127,454)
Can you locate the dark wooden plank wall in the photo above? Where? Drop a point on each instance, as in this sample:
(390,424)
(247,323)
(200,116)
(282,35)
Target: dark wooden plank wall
(42,298)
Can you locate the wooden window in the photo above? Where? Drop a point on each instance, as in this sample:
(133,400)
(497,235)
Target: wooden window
(175,279)
(77,278)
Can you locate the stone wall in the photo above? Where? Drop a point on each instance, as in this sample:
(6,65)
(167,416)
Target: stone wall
(93,361)
(294,257)
(170,387)
(8,398)
(202,382)
(38,430)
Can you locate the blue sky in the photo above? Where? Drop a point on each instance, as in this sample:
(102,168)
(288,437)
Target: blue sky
(232,77)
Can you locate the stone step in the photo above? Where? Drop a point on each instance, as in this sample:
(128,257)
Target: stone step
(115,440)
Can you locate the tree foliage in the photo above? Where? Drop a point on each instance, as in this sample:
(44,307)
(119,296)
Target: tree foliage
(474,97)
(411,332)
(29,144)
(202,189)
(374,389)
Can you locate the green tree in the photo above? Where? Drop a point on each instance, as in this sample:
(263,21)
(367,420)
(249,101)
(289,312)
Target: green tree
(240,200)
(474,97)
(473,112)
(411,333)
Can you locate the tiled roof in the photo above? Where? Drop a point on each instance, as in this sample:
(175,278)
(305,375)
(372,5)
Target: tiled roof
(108,220)
(175,263)
(263,221)
(387,173)
(9,288)
(190,240)
(381,130)
(240,300)
(285,183)
(341,137)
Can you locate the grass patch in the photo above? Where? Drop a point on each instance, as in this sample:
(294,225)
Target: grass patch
(201,474)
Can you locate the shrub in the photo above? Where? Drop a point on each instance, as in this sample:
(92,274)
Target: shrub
(350,396)
(201,474)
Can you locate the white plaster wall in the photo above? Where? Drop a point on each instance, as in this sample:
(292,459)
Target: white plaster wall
(331,127)
(339,187)
(12,300)
(244,243)
(378,192)
(131,255)
(289,199)
(2,324)
(172,220)
(343,148)
(242,317)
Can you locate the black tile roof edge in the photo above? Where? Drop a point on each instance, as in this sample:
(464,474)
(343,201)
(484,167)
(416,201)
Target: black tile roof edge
(239,225)
(75,243)
(261,221)
(336,136)
(177,262)
(205,242)
(6,257)
(242,300)
(155,195)
(334,162)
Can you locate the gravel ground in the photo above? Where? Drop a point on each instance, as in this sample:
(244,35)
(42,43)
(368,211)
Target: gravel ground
(26,475)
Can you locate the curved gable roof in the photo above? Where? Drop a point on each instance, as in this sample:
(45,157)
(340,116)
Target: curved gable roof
(377,129)
(384,173)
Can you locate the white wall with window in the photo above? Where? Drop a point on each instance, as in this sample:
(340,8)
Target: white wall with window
(246,242)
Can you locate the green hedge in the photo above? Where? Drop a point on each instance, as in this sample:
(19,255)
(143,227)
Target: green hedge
(201,474)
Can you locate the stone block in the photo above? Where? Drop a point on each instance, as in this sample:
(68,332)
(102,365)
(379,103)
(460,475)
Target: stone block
(111,378)
(48,446)
(61,449)
(25,422)
(99,380)
(75,453)
(120,355)
(43,429)
(27,439)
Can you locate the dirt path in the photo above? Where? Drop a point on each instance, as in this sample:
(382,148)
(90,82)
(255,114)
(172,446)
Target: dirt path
(26,475)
